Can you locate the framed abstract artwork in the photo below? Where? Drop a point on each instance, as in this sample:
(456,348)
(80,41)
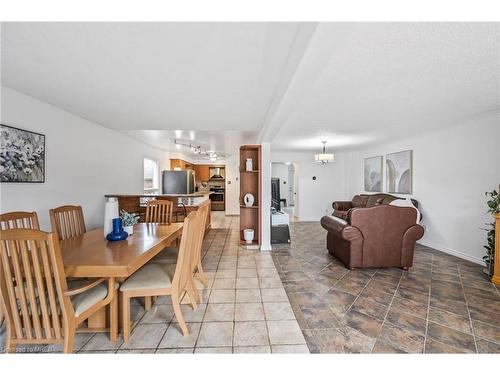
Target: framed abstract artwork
(22,155)
(399,172)
(373,174)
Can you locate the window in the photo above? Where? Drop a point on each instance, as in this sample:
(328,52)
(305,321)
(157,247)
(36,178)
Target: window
(151,175)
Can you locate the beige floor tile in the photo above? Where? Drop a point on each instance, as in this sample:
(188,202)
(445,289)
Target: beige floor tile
(274,295)
(248,295)
(285,332)
(290,349)
(101,341)
(215,334)
(249,312)
(175,351)
(270,282)
(219,350)
(158,314)
(252,349)
(222,296)
(136,351)
(190,315)
(250,334)
(174,339)
(219,312)
(145,336)
(224,284)
(247,283)
(267,272)
(247,272)
(226,274)
(278,311)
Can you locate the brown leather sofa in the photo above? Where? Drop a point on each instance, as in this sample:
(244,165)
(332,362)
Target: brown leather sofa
(373,233)
(341,208)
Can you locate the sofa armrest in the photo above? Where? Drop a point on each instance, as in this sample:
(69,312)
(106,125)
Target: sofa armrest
(342,205)
(412,235)
(333,224)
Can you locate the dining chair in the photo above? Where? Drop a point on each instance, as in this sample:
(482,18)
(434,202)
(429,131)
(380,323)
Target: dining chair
(19,219)
(159,211)
(67,221)
(13,220)
(169,254)
(174,280)
(39,307)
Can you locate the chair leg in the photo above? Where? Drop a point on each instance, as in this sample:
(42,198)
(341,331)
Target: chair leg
(178,314)
(193,295)
(125,317)
(113,319)
(9,346)
(69,337)
(147,303)
(201,274)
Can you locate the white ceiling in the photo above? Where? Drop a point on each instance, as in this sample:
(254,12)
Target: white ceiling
(292,84)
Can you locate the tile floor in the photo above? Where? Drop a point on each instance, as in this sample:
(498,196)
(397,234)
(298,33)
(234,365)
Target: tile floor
(442,305)
(244,309)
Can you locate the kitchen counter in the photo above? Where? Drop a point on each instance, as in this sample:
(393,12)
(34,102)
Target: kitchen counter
(183,203)
(193,195)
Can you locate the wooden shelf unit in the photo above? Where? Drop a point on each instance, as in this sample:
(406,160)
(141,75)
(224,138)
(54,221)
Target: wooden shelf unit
(251,182)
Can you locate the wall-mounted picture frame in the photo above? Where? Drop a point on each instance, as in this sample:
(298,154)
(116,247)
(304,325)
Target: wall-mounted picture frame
(399,172)
(22,155)
(373,174)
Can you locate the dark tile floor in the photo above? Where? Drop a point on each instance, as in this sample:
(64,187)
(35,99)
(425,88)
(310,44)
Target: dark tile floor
(443,304)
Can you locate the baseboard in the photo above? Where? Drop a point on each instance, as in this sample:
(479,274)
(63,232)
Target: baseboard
(456,253)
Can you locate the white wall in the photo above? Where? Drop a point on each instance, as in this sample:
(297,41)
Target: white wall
(84,161)
(452,168)
(315,197)
(266,196)
(233,184)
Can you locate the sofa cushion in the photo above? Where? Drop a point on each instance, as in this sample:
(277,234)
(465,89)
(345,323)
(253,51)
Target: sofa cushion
(374,200)
(359,200)
(340,214)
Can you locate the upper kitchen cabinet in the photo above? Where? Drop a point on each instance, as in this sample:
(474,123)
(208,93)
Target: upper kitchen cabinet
(179,164)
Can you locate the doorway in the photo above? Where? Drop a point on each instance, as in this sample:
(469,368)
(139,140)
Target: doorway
(286,173)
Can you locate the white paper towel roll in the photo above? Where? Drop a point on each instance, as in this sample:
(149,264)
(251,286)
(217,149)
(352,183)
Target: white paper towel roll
(110,213)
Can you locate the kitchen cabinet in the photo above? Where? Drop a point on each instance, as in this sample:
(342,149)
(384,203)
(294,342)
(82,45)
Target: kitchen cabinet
(202,173)
(180,164)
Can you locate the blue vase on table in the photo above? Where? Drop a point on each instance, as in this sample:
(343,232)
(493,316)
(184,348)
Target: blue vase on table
(118,233)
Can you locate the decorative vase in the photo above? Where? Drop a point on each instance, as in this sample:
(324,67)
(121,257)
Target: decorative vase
(249,165)
(110,212)
(129,229)
(248,199)
(118,233)
(248,235)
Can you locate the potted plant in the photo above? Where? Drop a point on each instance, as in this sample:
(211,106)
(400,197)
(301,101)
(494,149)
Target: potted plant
(129,220)
(493,208)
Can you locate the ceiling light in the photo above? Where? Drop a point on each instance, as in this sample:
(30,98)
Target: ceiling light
(324,158)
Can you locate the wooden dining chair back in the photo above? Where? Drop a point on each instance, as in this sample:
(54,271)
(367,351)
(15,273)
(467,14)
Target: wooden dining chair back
(159,211)
(197,269)
(67,221)
(158,279)
(19,220)
(14,220)
(183,276)
(38,305)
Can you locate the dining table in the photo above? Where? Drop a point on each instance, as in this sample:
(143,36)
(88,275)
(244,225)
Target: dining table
(91,255)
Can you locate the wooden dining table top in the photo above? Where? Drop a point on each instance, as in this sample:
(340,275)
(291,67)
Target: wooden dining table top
(91,255)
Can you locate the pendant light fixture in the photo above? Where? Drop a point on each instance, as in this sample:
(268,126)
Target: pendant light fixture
(324,158)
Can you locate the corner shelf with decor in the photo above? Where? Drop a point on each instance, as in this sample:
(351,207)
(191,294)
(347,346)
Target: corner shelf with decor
(250,183)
